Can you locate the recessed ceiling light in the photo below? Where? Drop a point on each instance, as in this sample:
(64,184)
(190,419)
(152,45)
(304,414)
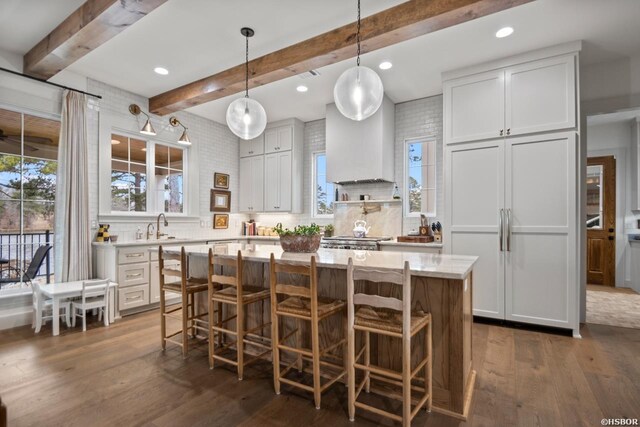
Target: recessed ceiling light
(115,142)
(385,65)
(504,32)
(302,88)
(161,70)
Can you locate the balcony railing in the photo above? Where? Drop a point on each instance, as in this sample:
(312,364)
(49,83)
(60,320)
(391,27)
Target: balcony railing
(16,253)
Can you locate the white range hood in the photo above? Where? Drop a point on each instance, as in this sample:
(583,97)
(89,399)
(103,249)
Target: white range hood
(361,151)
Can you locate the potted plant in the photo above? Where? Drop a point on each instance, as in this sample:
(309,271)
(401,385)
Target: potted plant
(328,230)
(303,238)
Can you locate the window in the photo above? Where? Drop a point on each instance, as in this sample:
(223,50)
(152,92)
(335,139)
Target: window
(168,179)
(128,174)
(323,191)
(28,167)
(146,176)
(420,177)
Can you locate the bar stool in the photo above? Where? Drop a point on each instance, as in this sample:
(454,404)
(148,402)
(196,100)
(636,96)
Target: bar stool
(391,317)
(302,303)
(232,291)
(187,287)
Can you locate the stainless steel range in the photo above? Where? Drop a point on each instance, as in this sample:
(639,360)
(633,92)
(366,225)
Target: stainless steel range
(350,242)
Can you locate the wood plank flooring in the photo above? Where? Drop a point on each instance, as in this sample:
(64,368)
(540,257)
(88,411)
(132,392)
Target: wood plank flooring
(119,376)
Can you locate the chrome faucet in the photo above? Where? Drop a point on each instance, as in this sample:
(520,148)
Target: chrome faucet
(149,232)
(166,223)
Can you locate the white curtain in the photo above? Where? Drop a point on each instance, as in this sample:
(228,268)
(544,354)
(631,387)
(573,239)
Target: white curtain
(72,224)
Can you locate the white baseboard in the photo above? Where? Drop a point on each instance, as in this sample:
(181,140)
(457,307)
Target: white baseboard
(16,318)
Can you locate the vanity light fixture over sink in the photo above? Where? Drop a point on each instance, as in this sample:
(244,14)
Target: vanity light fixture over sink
(245,116)
(358,92)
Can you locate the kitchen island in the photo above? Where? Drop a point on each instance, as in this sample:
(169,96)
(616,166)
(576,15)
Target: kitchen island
(442,286)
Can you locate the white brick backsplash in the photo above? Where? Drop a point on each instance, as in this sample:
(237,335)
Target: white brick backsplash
(215,147)
(217,151)
(413,119)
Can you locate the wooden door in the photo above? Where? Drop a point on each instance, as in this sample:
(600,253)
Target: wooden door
(540,229)
(475,216)
(601,220)
(474,107)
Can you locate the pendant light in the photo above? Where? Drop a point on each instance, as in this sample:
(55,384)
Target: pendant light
(358,92)
(245,116)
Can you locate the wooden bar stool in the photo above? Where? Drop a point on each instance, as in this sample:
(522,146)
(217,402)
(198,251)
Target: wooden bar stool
(187,287)
(391,317)
(231,290)
(302,303)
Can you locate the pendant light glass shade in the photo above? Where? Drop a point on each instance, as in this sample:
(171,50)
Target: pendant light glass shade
(246,118)
(358,93)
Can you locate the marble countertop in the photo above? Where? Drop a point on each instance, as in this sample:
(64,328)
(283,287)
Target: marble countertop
(395,242)
(421,264)
(181,241)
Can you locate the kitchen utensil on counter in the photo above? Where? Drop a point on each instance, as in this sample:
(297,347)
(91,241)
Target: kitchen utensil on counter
(437,234)
(367,197)
(360,229)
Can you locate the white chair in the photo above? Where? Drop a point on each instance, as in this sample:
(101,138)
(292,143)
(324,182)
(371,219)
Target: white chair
(42,309)
(94,297)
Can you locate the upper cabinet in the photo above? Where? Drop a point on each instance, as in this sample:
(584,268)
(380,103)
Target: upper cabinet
(278,139)
(271,176)
(533,96)
(540,96)
(474,107)
(252,147)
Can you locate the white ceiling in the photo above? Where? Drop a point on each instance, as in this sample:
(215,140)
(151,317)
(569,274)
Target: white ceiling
(23,23)
(196,38)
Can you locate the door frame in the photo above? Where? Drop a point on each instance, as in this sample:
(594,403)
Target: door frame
(609,220)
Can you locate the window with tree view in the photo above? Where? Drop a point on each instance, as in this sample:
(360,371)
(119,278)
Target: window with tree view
(169,179)
(420,175)
(128,174)
(323,191)
(28,167)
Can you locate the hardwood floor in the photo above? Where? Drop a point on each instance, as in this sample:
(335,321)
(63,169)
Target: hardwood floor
(119,376)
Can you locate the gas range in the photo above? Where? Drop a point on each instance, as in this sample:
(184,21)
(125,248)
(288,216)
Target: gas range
(350,242)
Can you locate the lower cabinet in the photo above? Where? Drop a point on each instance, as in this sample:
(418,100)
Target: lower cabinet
(133,296)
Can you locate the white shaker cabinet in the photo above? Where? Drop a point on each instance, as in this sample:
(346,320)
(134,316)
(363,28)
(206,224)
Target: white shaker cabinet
(252,147)
(277,179)
(511,180)
(541,229)
(474,107)
(273,181)
(251,198)
(475,207)
(534,96)
(278,139)
(540,96)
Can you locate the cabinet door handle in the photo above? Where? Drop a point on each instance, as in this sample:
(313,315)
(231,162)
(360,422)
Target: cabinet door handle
(501,132)
(132,276)
(136,255)
(509,131)
(500,228)
(508,230)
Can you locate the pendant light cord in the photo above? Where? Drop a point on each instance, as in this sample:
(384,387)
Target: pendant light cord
(246,67)
(358,35)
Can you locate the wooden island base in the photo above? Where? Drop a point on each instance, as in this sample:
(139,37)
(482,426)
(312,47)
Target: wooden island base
(448,300)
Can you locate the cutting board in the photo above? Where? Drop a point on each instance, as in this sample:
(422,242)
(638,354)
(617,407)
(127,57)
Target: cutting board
(415,239)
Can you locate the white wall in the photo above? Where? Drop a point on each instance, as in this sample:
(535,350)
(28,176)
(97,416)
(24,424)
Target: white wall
(615,139)
(417,118)
(610,86)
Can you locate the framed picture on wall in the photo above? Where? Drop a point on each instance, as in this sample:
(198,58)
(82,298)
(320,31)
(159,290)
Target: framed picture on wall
(220,201)
(221,221)
(221,180)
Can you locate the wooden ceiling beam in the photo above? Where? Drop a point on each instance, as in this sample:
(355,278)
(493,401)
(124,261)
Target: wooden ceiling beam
(91,25)
(405,21)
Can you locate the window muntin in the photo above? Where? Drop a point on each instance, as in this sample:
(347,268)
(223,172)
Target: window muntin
(128,174)
(169,178)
